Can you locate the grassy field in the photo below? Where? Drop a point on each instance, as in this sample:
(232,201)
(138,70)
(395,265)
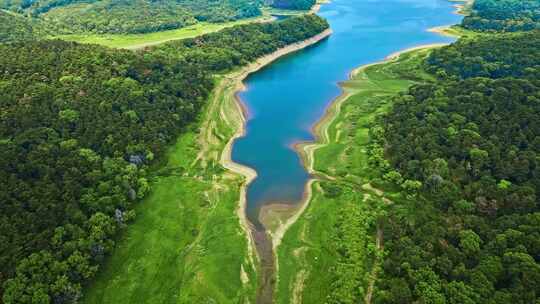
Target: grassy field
(186,227)
(329,253)
(137,41)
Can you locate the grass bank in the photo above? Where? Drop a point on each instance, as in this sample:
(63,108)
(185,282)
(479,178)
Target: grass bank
(331,251)
(186,244)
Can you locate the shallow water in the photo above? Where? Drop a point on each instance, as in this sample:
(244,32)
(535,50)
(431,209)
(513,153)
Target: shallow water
(286,98)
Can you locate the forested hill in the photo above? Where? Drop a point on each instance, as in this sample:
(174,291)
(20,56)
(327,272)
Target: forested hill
(470,142)
(80,126)
(489,57)
(129,16)
(16,28)
(233,46)
(504,15)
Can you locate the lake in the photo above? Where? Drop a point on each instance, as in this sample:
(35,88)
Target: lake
(286,98)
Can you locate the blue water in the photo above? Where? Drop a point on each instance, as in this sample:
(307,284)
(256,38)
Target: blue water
(286,98)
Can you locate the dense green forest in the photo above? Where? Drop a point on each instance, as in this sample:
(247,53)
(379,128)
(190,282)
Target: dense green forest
(488,57)
(81,129)
(504,15)
(468,147)
(23,19)
(294,4)
(16,28)
(129,16)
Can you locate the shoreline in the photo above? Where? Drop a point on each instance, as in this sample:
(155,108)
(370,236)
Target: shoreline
(238,81)
(258,242)
(395,55)
(441,30)
(317,6)
(460,6)
(320,129)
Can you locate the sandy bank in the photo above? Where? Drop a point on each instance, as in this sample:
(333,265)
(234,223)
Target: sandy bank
(441,30)
(396,55)
(461,6)
(278,234)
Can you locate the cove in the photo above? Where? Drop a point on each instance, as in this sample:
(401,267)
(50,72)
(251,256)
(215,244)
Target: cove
(285,99)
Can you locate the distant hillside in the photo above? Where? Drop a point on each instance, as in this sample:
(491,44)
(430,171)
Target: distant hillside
(130,16)
(504,15)
(15,28)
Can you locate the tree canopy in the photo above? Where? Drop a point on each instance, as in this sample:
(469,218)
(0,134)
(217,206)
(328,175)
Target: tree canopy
(14,27)
(488,57)
(129,16)
(504,15)
(471,139)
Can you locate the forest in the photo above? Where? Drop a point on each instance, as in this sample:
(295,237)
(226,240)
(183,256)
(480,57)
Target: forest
(17,28)
(468,147)
(82,129)
(503,15)
(488,57)
(128,16)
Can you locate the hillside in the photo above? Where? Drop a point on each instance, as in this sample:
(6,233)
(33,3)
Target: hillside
(16,28)
(504,15)
(129,17)
(469,233)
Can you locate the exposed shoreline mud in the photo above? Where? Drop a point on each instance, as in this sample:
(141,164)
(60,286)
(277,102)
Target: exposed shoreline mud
(259,240)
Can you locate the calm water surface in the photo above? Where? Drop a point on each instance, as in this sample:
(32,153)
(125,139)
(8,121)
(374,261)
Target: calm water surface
(286,98)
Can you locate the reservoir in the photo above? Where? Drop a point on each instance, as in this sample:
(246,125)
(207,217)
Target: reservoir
(285,99)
